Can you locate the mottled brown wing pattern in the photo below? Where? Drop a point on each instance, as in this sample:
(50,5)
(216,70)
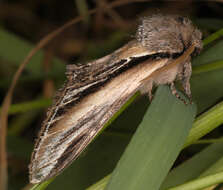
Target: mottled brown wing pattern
(95,91)
(82,122)
(86,78)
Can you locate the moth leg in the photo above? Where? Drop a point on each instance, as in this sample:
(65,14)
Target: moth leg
(149,92)
(150,95)
(175,93)
(187,70)
(147,89)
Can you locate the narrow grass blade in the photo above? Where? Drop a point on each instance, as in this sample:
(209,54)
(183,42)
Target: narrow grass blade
(214,168)
(205,123)
(19,48)
(201,182)
(213,37)
(211,54)
(100,185)
(194,167)
(42,186)
(29,106)
(155,145)
(217,65)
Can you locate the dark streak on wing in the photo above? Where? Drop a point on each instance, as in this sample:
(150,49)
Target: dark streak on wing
(104,76)
(82,140)
(91,119)
(70,154)
(95,74)
(72,147)
(67,131)
(87,75)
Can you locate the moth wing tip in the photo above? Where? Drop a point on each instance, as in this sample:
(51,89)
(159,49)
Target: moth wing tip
(34,181)
(35,176)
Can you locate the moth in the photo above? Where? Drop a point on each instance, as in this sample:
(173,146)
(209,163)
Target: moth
(160,53)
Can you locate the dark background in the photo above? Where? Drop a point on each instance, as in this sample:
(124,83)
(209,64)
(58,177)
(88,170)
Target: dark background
(24,23)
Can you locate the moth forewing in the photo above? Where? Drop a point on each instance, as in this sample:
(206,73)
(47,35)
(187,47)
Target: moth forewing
(95,91)
(173,63)
(77,128)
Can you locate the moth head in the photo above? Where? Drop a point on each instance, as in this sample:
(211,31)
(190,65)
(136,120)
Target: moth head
(190,34)
(168,34)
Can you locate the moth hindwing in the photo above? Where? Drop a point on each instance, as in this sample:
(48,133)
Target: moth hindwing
(95,91)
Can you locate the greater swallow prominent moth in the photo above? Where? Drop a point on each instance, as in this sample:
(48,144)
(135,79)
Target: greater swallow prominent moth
(160,54)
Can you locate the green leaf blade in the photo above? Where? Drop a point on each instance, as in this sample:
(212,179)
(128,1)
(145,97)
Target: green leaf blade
(155,145)
(194,167)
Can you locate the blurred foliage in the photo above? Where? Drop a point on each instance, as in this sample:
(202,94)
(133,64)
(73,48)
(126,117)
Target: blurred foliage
(24,23)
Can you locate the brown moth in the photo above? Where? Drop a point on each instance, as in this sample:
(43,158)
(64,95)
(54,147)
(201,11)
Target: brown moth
(160,54)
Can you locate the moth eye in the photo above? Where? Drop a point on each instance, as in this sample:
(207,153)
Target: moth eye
(180,19)
(183,20)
